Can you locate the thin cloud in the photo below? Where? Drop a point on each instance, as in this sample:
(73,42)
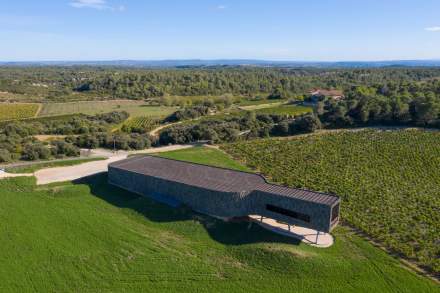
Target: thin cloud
(221,7)
(95,4)
(433,29)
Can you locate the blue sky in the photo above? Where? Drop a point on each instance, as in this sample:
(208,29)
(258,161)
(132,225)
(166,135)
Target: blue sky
(302,30)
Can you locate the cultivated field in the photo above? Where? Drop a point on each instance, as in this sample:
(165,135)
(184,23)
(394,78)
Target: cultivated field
(13,111)
(389,181)
(142,122)
(89,236)
(134,108)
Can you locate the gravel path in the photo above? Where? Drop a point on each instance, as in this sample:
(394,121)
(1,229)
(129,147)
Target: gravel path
(155,132)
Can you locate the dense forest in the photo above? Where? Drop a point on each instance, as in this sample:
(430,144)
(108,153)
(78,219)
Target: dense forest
(58,83)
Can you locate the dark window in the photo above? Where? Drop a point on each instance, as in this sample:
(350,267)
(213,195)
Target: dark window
(335,212)
(289,213)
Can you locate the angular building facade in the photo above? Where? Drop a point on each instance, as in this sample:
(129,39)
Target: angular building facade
(224,193)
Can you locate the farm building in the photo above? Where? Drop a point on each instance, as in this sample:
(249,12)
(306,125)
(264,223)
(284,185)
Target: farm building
(224,193)
(319,94)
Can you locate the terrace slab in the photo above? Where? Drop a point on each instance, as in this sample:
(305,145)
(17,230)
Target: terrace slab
(306,235)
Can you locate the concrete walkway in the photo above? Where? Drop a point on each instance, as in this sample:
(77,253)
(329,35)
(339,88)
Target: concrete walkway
(69,173)
(306,235)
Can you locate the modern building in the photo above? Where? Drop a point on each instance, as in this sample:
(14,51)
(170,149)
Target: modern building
(224,193)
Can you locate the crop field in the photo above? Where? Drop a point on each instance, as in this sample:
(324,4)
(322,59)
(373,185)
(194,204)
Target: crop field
(13,111)
(287,110)
(142,122)
(89,236)
(134,108)
(389,181)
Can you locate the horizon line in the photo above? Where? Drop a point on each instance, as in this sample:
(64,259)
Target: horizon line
(219,59)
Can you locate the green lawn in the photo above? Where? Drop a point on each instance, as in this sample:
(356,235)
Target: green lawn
(134,108)
(206,156)
(389,181)
(42,165)
(89,236)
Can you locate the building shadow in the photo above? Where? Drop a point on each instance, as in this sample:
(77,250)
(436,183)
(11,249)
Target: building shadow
(229,233)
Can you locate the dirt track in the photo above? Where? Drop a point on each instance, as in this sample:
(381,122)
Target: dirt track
(155,132)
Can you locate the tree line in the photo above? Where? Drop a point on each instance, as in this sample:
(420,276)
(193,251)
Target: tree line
(58,83)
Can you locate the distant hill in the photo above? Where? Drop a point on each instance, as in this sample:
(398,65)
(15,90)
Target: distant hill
(229,62)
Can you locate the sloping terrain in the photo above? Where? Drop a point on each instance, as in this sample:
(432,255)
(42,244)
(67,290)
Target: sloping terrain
(90,236)
(389,181)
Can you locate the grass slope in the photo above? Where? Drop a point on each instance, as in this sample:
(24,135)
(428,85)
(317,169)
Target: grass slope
(93,237)
(42,165)
(389,181)
(89,236)
(206,156)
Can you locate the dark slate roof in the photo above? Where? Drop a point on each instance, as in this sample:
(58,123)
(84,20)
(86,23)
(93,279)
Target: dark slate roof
(215,178)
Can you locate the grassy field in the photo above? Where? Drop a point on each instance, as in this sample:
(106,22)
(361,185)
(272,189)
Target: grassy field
(206,156)
(389,181)
(89,236)
(287,110)
(13,111)
(134,108)
(38,166)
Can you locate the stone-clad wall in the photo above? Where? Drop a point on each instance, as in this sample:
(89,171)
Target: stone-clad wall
(319,214)
(222,204)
